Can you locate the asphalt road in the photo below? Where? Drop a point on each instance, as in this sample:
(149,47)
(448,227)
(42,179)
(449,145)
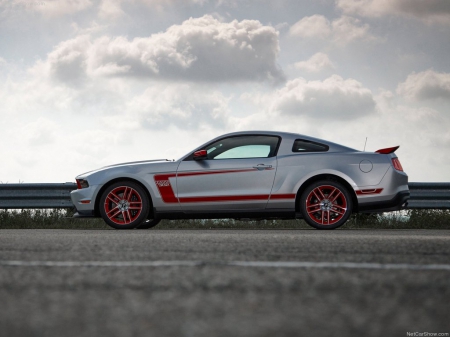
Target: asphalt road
(224,282)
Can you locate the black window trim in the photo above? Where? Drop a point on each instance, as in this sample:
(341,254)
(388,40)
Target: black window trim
(325,147)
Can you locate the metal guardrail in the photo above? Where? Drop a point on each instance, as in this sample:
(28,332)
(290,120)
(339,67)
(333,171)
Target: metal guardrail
(429,196)
(21,196)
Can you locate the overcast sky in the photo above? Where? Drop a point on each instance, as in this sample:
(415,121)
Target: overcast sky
(87,83)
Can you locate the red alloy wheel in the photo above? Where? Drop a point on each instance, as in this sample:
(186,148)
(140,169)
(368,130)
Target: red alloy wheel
(123,205)
(326,205)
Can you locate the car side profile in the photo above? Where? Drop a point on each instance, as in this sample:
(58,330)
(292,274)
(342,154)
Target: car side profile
(254,174)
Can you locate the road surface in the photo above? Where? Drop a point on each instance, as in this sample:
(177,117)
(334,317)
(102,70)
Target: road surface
(87,283)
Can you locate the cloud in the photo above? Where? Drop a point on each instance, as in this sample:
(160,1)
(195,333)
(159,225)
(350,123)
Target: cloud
(110,9)
(315,26)
(68,61)
(430,11)
(182,105)
(342,30)
(56,8)
(40,132)
(202,49)
(333,98)
(316,63)
(426,85)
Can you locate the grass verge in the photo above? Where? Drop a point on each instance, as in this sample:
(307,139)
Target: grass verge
(61,219)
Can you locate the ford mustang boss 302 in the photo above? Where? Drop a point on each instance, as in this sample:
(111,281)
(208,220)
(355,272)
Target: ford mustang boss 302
(242,175)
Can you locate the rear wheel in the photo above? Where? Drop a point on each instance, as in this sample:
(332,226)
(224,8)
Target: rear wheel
(124,205)
(326,204)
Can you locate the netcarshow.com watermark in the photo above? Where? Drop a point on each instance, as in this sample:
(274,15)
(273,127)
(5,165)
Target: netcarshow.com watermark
(426,334)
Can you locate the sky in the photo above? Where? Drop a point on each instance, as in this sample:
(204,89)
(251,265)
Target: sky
(89,83)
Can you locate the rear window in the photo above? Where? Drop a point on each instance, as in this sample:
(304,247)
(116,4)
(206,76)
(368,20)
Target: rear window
(302,145)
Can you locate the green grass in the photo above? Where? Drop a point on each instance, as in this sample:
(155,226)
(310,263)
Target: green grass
(62,219)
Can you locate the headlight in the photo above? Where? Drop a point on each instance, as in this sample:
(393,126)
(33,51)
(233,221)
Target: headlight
(82,183)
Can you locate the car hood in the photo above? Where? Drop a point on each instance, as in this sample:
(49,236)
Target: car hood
(131,163)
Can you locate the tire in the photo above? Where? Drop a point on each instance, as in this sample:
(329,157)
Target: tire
(326,204)
(149,223)
(124,205)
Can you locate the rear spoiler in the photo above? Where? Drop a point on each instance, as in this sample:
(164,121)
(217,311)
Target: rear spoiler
(387,150)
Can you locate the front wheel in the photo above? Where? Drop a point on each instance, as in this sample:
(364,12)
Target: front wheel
(124,205)
(326,204)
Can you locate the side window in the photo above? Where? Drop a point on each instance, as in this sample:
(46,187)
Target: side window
(246,151)
(302,145)
(238,147)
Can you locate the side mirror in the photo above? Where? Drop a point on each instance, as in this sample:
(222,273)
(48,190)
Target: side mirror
(200,155)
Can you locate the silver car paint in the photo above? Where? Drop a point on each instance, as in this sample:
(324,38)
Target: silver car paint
(288,173)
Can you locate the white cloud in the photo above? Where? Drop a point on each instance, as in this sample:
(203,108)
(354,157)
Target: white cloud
(333,98)
(110,9)
(55,8)
(431,11)
(184,106)
(426,85)
(316,63)
(68,61)
(346,29)
(39,132)
(342,30)
(315,26)
(202,49)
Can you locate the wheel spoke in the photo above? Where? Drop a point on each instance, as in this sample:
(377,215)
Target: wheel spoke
(114,196)
(115,214)
(339,209)
(127,193)
(111,199)
(313,205)
(338,194)
(319,196)
(322,196)
(131,193)
(311,213)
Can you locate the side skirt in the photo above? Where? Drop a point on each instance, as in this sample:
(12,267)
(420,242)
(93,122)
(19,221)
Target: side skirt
(234,214)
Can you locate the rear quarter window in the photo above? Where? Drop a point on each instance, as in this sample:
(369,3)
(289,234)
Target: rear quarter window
(302,145)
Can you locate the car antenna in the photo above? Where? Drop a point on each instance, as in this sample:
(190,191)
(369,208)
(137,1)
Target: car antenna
(365,145)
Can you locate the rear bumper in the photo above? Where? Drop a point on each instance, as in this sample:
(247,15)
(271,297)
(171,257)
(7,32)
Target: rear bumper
(399,202)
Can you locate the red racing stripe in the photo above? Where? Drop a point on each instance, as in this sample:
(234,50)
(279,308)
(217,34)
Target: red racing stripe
(162,181)
(225,198)
(187,174)
(165,188)
(282,196)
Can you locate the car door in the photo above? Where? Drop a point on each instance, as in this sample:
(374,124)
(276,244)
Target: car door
(235,173)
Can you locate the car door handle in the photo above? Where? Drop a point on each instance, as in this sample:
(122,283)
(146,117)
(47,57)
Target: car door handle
(261,167)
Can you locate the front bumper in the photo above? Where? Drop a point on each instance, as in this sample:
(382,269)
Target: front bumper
(84,201)
(399,202)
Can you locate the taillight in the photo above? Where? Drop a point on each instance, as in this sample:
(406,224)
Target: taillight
(397,164)
(81,183)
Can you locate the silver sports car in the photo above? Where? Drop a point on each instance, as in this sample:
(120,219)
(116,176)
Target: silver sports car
(255,174)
